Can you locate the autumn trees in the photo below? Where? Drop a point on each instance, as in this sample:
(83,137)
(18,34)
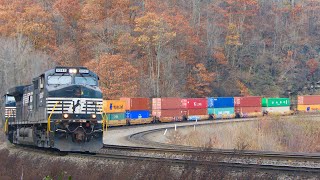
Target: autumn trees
(176,48)
(118,78)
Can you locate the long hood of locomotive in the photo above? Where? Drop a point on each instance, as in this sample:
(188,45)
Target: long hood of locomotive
(76,100)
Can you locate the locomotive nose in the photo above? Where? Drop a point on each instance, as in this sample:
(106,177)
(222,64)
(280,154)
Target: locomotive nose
(75,91)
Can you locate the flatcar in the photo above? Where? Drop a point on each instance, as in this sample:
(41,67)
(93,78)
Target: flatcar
(60,109)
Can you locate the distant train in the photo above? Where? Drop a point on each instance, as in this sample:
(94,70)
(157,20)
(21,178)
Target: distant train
(128,111)
(173,109)
(61,109)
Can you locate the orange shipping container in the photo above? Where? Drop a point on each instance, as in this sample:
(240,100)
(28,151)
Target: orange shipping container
(113,106)
(136,103)
(166,103)
(193,112)
(168,113)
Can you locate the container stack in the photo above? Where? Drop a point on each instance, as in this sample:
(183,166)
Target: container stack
(195,108)
(249,106)
(276,106)
(221,107)
(137,110)
(114,112)
(309,103)
(167,109)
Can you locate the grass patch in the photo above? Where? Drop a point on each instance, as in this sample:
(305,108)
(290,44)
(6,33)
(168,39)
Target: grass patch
(296,134)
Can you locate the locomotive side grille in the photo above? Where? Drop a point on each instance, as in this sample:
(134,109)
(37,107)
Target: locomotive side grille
(74,105)
(10,112)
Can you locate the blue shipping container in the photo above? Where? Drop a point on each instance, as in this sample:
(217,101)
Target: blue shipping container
(138,114)
(220,102)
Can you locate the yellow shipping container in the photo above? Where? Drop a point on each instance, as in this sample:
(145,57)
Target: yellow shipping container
(113,106)
(308,108)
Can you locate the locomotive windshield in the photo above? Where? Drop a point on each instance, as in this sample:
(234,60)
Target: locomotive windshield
(59,80)
(10,99)
(86,80)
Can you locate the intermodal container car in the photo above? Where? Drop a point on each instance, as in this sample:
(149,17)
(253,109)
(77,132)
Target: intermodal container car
(309,100)
(113,106)
(198,117)
(136,103)
(248,101)
(138,114)
(220,102)
(194,103)
(141,121)
(275,102)
(248,111)
(166,103)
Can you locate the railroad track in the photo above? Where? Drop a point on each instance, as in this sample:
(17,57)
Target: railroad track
(193,162)
(302,162)
(207,164)
(222,158)
(191,156)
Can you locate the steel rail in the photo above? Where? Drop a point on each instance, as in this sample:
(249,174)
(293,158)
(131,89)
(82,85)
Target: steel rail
(183,162)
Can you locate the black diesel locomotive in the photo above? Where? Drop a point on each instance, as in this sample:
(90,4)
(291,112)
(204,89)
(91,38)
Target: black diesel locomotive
(61,109)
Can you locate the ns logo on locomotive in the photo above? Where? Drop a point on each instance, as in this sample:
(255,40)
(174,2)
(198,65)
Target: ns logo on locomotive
(61,109)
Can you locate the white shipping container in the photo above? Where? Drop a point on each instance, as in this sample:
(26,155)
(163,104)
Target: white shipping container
(277,110)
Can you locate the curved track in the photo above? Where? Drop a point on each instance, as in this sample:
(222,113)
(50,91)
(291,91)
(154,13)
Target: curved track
(134,146)
(140,147)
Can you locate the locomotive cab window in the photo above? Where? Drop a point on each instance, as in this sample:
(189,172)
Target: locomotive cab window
(9,100)
(87,80)
(59,80)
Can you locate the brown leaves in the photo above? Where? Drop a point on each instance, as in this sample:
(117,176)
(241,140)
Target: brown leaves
(118,78)
(220,58)
(313,65)
(199,80)
(28,19)
(69,9)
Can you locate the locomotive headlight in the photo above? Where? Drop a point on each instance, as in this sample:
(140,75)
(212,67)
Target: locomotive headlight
(65,116)
(93,116)
(73,71)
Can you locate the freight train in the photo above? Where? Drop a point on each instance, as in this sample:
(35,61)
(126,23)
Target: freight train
(118,112)
(60,109)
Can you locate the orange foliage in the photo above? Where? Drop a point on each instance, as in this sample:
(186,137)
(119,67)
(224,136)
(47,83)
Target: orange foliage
(313,65)
(28,19)
(220,58)
(117,76)
(244,91)
(199,81)
(69,9)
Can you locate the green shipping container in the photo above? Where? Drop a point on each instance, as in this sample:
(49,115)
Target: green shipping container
(210,110)
(275,102)
(219,111)
(116,116)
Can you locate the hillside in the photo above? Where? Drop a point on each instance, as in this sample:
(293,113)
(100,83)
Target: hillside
(166,48)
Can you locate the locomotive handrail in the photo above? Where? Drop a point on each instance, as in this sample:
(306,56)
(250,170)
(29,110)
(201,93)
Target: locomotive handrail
(6,124)
(104,121)
(49,118)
